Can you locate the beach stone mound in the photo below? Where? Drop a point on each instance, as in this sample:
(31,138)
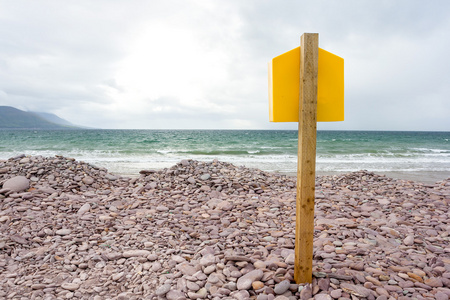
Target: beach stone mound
(17,184)
(79,232)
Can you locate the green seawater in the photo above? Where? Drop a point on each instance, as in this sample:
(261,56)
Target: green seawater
(423,156)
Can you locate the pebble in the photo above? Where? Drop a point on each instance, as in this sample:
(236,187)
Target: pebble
(70,286)
(118,276)
(322,297)
(282,287)
(434,282)
(205,177)
(355,290)
(336,294)
(84,209)
(212,230)
(256,285)
(88,180)
(175,295)
(187,269)
(373,280)
(409,240)
(306,292)
(17,184)
(240,295)
(64,231)
(323,284)
(441,296)
(162,290)
(134,253)
(245,282)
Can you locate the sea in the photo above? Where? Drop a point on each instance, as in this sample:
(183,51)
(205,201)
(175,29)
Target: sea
(419,156)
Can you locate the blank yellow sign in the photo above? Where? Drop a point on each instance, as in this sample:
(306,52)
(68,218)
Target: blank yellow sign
(284,85)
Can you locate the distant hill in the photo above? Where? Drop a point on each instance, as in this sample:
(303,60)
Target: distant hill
(11,118)
(53,118)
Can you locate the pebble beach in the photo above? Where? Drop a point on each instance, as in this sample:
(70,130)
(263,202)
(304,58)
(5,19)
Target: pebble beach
(213,230)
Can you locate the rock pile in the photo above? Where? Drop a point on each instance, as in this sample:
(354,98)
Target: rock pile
(211,230)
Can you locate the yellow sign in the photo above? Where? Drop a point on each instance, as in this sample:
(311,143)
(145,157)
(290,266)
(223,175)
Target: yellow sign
(284,86)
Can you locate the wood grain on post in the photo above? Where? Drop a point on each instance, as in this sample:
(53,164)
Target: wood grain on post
(306,171)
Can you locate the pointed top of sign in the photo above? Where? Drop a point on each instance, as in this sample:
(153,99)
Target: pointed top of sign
(284,82)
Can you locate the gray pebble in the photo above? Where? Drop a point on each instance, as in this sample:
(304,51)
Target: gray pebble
(162,290)
(282,287)
(17,184)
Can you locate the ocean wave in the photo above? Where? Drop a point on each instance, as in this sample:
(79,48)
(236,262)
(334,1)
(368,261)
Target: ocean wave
(270,151)
(225,152)
(431,150)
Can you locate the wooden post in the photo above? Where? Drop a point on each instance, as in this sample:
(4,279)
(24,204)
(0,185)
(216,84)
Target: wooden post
(306,171)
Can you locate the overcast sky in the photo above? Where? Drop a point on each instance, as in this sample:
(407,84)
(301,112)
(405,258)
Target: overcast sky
(198,64)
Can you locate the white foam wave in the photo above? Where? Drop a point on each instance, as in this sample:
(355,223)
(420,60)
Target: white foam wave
(132,163)
(253,152)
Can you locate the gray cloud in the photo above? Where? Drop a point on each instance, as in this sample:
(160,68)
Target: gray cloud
(101,63)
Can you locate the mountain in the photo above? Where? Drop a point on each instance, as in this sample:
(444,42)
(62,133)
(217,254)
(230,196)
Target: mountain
(11,118)
(53,118)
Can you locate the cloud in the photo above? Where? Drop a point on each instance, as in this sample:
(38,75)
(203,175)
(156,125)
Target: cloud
(203,64)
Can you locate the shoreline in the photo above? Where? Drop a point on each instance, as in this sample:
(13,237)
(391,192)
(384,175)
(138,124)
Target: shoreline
(124,169)
(425,177)
(417,156)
